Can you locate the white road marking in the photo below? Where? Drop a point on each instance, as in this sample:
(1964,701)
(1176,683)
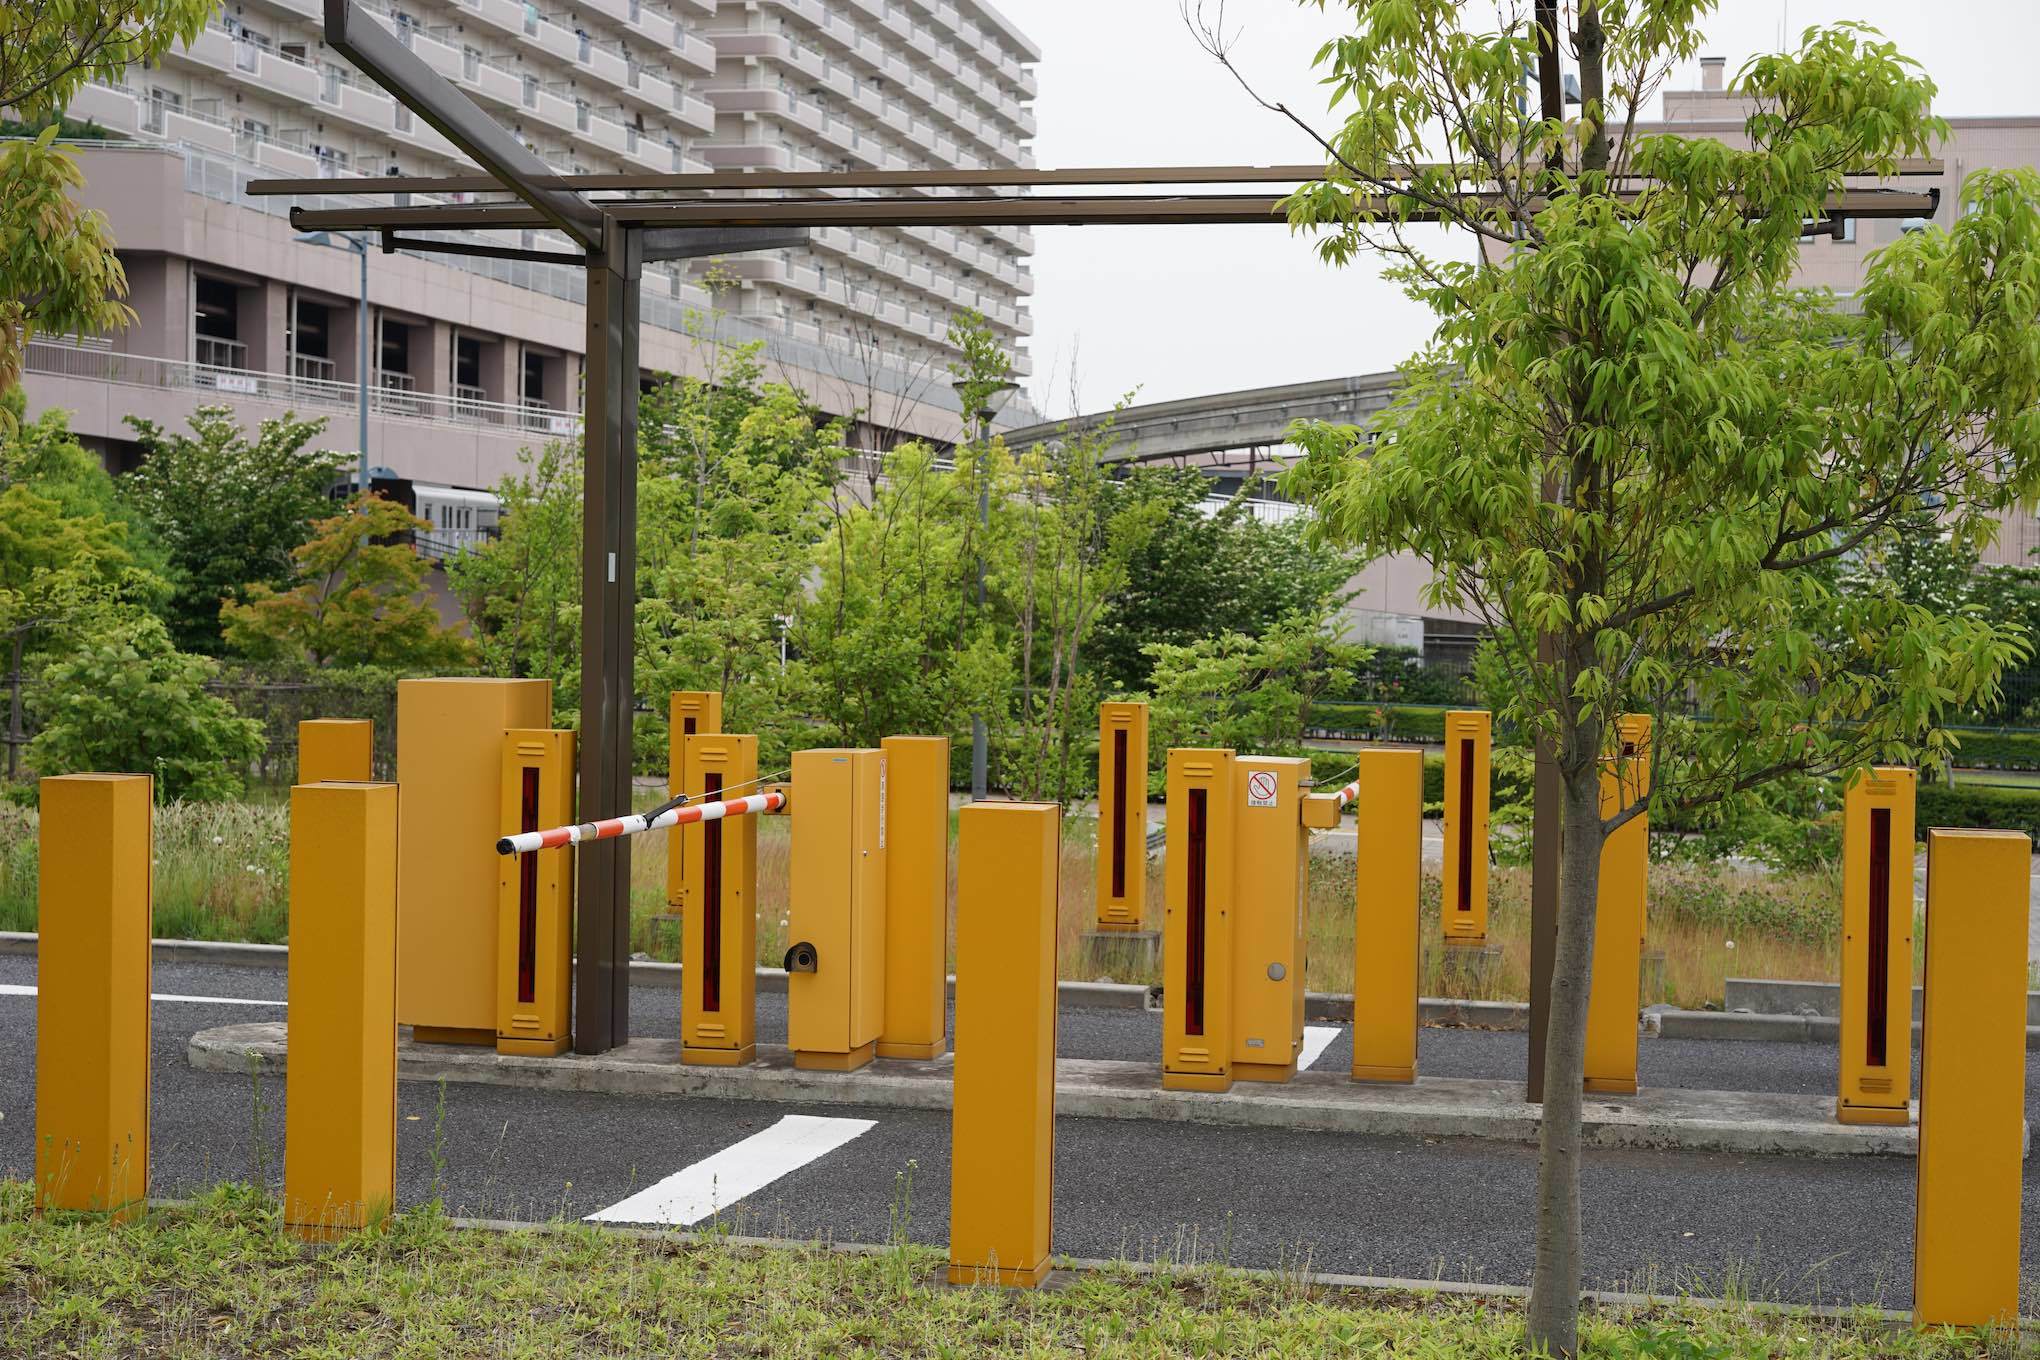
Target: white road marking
(1316,1039)
(18,989)
(718,1181)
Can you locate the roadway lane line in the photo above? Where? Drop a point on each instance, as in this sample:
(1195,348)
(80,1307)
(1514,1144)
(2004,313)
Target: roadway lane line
(18,989)
(1316,1039)
(719,1181)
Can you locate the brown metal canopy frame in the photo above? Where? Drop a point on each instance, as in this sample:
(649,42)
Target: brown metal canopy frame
(676,217)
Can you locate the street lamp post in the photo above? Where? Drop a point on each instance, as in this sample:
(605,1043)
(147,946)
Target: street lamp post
(989,398)
(359,245)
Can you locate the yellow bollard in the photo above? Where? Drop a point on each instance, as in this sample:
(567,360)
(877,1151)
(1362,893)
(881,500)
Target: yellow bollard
(450,766)
(92,998)
(1122,815)
(1002,1127)
(690,712)
(835,989)
(1972,1080)
(1271,884)
(916,899)
(719,957)
(1388,846)
(535,897)
(1877,948)
(1197,928)
(1619,916)
(330,749)
(340,1107)
(1463,904)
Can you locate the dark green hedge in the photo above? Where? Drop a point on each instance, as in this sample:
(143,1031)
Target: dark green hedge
(1378,722)
(1977,805)
(1998,749)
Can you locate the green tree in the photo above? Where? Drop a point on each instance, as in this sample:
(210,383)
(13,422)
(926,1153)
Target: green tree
(58,262)
(522,590)
(888,636)
(1632,439)
(359,600)
(229,511)
(732,487)
(1205,571)
(1247,693)
(1071,545)
(129,701)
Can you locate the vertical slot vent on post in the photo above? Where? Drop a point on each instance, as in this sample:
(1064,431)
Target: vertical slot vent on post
(687,726)
(711,900)
(1465,848)
(527,896)
(1194,892)
(1119,813)
(1876,1015)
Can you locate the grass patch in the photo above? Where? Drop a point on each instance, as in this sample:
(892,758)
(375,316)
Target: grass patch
(219,1278)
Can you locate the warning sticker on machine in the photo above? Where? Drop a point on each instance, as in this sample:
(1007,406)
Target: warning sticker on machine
(1260,789)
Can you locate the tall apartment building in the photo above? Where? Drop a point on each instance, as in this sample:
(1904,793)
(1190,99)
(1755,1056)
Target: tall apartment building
(473,359)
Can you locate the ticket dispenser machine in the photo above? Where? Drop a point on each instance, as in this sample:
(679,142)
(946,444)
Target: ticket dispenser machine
(690,712)
(719,948)
(1122,815)
(1271,882)
(1877,948)
(835,959)
(1197,925)
(535,897)
(1463,900)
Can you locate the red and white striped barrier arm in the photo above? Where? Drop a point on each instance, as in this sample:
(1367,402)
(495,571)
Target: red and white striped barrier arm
(526,841)
(1348,794)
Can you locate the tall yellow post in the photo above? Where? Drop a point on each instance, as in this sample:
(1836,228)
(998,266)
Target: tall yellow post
(92,998)
(1972,1080)
(1271,881)
(1877,948)
(916,898)
(1002,1127)
(1388,845)
(1619,916)
(719,954)
(1463,905)
(535,897)
(340,1115)
(835,989)
(690,712)
(331,749)
(1122,815)
(1197,926)
(450,766)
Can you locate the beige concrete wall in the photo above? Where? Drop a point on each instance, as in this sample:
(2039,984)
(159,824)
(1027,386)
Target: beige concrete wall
(162,228)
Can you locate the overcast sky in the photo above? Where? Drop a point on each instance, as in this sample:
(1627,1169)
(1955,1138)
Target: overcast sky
(1179,311)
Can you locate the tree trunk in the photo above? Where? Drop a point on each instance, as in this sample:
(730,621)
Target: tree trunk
(1555,1286)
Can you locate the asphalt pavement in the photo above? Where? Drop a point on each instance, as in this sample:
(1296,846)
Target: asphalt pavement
(1825,1230)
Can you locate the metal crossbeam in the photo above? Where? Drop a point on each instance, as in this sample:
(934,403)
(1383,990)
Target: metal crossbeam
(1030,210)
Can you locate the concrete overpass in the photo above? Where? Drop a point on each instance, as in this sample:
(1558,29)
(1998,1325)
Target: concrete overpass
(1195,427)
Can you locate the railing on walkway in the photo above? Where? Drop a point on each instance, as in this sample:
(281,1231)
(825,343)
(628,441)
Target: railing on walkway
(61,359)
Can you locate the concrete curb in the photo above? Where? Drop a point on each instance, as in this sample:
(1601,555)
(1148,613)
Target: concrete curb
(1326,1102)
(1739,1026)
(1769,996)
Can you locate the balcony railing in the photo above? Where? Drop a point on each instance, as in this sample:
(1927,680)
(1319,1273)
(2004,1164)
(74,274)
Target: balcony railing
(213,352)
(92,364)
(312,366)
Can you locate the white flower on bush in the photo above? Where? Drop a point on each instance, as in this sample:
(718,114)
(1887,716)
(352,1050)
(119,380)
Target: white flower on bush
(1728,944)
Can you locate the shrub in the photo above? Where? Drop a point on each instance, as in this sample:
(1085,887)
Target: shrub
(129,701)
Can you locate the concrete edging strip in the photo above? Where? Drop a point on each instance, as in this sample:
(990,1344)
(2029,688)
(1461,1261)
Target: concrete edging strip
(1327,1102)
